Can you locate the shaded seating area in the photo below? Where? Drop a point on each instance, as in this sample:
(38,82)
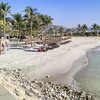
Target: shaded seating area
(65,40)
(39,43)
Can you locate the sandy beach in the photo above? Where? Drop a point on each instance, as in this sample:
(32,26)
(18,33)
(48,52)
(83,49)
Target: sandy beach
(59,64)
(5,95)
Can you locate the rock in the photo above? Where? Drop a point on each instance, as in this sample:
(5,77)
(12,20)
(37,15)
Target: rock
(48,76)
(4,69)
(19,69)
(63,95)
(42,90)
(16,92)
(49,83)
(23,86)
(28,93)
(40,84)
(34,81)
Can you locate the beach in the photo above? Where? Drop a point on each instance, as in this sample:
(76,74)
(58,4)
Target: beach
(58,65)
(5,95)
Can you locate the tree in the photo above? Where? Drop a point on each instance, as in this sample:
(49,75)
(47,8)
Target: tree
(17,22)
(4,10)
(25,22)
(69,31)
(61,31)
(46,21)
(79,29)
(8,24)
(30,13)
(96,29)
(55,28)
(50,31)
(84,29)
(37,24)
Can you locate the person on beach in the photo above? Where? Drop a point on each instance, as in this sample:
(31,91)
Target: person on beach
(3,46)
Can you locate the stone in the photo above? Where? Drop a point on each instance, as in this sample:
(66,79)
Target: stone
(19,69)
(48,76)
(28,93)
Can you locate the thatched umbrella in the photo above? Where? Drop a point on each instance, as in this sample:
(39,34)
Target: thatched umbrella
(65,38)
(15,40)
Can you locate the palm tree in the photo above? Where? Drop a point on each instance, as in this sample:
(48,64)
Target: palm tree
(25,22)
(30,13)
(17,22)
(61,30)
(37,24)
(96,29)
(69,31)
(4,10)
(84,29)
(8,24)
(46,21)
(55,28)
(79,29)
(50,31)
(1,27)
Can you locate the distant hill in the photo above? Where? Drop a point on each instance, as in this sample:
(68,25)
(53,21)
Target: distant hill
(74,29)
(52,26)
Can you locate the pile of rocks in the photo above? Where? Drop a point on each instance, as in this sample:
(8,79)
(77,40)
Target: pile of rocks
(41,90)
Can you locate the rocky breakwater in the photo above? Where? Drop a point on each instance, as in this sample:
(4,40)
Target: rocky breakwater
(22,88)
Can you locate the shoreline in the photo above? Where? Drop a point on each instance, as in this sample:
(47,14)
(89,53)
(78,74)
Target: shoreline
(76,67)
(79,65)
(84,66)
(22,88)
(52,63)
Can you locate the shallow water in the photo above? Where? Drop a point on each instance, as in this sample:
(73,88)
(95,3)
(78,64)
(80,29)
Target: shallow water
(89,77)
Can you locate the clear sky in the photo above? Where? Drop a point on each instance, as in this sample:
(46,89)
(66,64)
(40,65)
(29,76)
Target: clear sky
(67,13)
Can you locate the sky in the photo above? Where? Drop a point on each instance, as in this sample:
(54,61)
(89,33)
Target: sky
(68,13)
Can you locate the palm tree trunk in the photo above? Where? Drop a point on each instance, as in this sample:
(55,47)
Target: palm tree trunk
(97,33)
(25,30)
(4,27)
(0,47)
(17,38)
(31,28)
(31,33)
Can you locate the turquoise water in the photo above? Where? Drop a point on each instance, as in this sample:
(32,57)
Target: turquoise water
(89,77)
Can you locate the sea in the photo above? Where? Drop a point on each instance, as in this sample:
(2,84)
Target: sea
(88,78)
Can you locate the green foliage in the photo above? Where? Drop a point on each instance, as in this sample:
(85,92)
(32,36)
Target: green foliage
(4,10)
(96,29)
(50,31)
(61,29)
(30,24)
(34,23)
